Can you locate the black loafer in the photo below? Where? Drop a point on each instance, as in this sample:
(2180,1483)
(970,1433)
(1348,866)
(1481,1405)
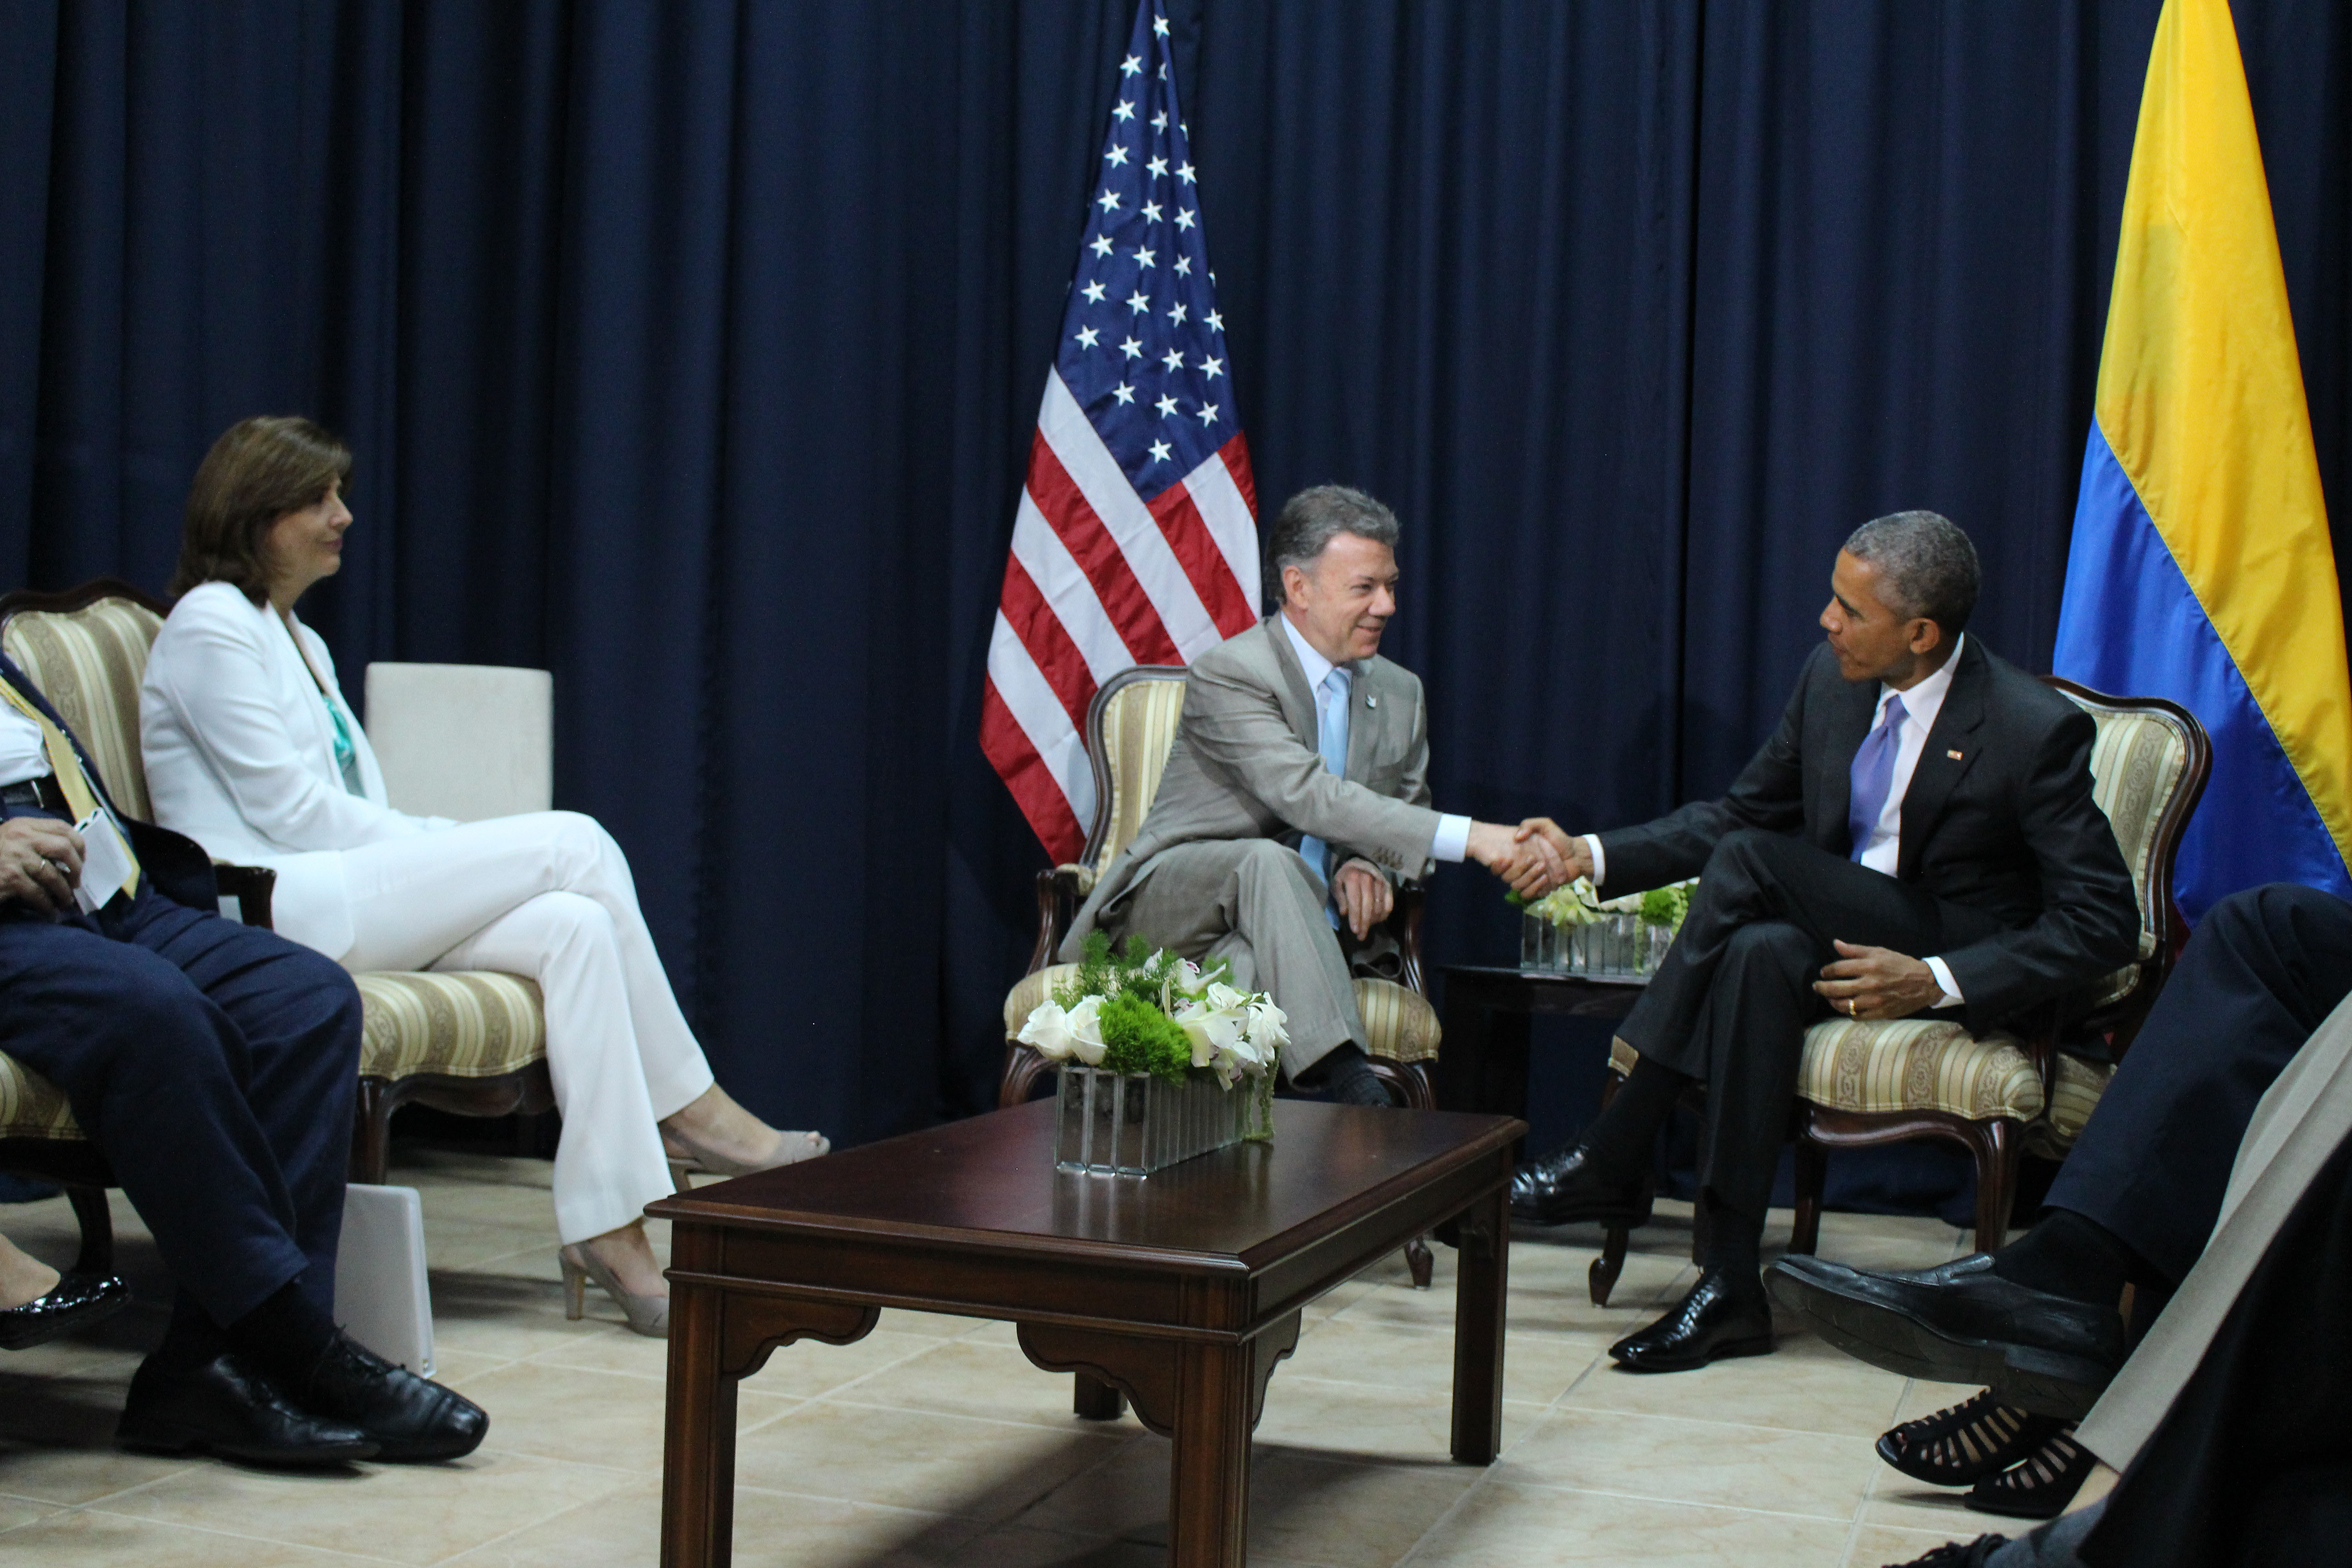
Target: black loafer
(1566,1188)
(1962,1323)
(1960,1553)
(1723,1316)
(78,1301)
(221,1407)
(408,1417)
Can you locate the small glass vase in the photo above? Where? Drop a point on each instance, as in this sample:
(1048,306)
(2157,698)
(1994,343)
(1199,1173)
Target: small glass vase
(1257,1116)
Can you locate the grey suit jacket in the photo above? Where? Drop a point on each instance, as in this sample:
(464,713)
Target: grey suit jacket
(1244,765)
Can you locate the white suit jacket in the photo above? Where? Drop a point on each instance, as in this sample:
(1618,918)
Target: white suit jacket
(240,757)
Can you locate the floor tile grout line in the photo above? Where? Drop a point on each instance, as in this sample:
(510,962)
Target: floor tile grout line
(243,1535)
(1533,1485)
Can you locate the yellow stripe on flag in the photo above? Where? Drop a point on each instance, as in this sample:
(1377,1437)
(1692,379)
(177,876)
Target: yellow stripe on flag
(2200,398)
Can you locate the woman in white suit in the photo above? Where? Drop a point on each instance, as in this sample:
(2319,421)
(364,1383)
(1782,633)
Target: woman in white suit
(252,752)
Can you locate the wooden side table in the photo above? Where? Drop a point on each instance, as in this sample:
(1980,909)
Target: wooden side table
(1482,1062)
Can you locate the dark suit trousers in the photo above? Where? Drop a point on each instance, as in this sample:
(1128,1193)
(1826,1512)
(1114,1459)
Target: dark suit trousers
(2266,967)
(1733,997)
(214,1065)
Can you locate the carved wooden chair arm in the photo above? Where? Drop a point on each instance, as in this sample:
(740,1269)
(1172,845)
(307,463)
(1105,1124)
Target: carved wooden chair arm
(1059,893)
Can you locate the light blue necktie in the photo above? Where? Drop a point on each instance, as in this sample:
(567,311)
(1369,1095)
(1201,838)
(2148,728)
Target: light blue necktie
(1873,775)
(1331,740)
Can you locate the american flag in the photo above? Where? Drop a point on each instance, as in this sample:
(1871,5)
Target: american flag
(1135,541)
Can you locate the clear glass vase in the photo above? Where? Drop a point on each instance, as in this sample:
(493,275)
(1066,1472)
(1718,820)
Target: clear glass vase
(1131,1124)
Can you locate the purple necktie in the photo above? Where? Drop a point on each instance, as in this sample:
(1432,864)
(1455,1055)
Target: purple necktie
(1873,775)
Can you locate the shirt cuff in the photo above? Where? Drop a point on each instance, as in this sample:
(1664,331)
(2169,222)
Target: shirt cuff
(1600,858)
(1452,840)
(1951,996)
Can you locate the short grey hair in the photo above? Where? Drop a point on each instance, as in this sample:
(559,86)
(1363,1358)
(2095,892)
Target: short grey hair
(1928,565)
(1311,520)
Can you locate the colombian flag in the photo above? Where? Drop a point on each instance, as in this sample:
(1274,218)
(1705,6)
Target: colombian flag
(2200,568)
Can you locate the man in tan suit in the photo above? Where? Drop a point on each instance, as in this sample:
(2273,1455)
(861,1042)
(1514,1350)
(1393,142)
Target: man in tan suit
(1296,796)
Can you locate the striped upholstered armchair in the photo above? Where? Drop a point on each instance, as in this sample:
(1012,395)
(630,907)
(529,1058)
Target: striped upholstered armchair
(474,1044)
(1999,1094)
(1130,728)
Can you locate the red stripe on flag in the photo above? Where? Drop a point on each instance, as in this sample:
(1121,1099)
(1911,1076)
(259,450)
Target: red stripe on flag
(1048,641)
(1204,563)
(1034,788)
(1235,453)
(1098,557)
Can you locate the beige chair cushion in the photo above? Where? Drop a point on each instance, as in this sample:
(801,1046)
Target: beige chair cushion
(2138,762)
(1139,726)
(472,1024)
(2075,1097)
(89,665)
(1402,1025)
(33,1106)
(1910,1064)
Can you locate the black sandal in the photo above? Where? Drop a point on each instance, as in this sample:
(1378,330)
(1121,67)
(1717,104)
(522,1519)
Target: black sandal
(1971,1440)
(2039,1488)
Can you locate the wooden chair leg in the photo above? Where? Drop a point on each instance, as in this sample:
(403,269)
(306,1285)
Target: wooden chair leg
(1997,1151)
(1409,1084)
(97,1255)
(371,1135)
(1601,1278)
(1813,1176)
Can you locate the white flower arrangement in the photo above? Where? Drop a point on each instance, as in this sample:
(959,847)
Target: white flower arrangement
(1152,1012)
(1580,903)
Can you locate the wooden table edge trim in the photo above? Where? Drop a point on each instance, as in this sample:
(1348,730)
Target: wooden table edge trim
(682,1208)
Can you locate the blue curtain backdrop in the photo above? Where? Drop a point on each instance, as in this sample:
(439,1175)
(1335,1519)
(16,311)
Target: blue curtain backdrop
(692,351)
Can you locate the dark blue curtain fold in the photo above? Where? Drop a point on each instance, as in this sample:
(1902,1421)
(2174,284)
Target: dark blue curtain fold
(693,351)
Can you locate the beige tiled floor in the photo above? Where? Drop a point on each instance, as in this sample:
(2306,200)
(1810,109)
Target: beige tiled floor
(933,1442)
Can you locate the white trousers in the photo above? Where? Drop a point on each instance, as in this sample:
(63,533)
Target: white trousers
(549,895)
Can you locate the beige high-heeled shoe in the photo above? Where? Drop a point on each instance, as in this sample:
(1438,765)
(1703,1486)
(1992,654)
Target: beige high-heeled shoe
(689,1155)
(647,1315)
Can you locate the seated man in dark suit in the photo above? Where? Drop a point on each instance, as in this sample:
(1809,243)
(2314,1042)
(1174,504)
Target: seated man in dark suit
(214,1066)
(2134,1203)
(1919,834)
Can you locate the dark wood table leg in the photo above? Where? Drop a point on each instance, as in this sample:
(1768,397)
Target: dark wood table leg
(1484,1276)
(698,1446)
(1208,1486)
(1098,1400)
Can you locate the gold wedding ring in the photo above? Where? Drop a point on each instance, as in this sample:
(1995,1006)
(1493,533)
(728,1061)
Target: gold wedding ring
(1853,1008)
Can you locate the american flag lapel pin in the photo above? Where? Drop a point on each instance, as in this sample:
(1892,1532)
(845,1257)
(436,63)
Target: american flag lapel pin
(1954,755)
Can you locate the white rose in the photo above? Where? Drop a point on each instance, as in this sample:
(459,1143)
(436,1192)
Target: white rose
(1058,1033)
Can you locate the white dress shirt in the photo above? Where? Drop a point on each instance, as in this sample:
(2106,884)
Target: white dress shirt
(22,755)
(1452,840)
(1921,703)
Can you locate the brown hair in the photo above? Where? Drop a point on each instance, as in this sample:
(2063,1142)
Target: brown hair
(260,470)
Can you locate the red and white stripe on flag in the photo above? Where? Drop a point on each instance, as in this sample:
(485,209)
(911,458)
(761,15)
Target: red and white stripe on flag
(1099,579)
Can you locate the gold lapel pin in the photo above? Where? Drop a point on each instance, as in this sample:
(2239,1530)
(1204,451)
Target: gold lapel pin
(1954,755)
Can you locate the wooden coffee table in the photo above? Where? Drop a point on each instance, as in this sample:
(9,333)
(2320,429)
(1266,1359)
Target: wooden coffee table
(1178,1293)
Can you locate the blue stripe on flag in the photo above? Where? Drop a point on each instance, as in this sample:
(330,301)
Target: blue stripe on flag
(2128,625)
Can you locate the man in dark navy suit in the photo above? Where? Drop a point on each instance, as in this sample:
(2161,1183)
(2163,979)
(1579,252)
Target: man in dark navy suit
(214,1066)
(1920,833)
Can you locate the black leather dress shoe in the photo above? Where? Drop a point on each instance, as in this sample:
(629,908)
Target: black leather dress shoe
(1960,1553)
(1962,1323)
(221,1407)
(1725,1315)
(1566,1187)
(78,1301)
(408,1417)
